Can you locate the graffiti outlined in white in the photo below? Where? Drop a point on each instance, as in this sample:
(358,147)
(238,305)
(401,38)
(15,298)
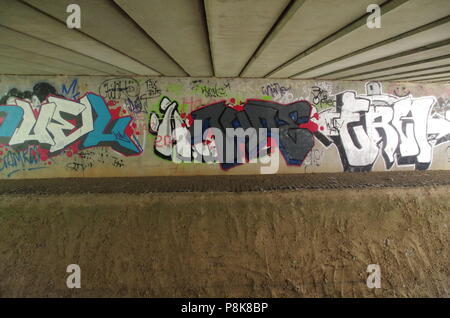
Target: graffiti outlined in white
(61,122)
(404,130)
(50,120)
(175,142)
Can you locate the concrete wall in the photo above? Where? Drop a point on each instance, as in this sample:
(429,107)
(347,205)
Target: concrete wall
(110,126)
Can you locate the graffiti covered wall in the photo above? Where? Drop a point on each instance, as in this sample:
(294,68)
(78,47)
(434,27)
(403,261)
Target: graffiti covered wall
(140,126)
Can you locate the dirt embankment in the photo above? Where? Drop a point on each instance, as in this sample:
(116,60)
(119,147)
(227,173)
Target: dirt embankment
(283,244)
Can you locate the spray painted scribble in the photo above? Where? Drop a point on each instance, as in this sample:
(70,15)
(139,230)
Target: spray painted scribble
(210,90)
(71,91)
(27,159)
(88,158)
(275,90)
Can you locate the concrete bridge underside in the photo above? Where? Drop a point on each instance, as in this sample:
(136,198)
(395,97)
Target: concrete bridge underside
(299,39)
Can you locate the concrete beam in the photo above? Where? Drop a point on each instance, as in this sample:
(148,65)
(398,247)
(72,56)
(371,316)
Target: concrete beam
(440,81)
(236,28)
(179,27)
(424,35)
(55,65)
(31,44)
(299,30)
(415,55)
(431,70)
(26,19)
(422,75)
(9,67)
(24,66)
(428,63)
(112,29)
(398,16)
(283,19)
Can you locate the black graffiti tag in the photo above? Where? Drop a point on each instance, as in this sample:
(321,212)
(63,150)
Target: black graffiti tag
(295,142)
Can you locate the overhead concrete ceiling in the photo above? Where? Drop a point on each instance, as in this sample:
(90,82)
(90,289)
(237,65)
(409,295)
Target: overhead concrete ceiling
(300,39)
